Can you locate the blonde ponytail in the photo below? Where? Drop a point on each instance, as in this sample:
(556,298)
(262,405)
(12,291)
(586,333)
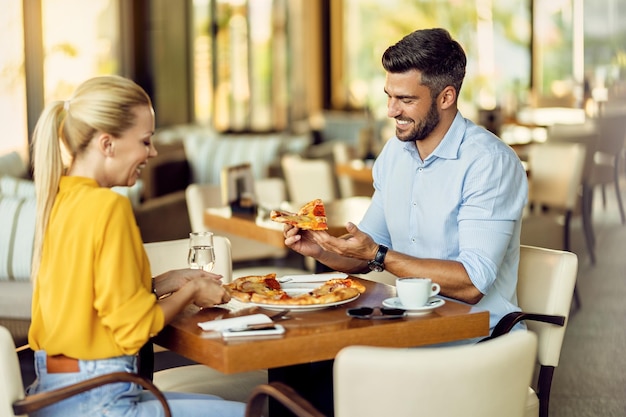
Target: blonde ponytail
(47,171)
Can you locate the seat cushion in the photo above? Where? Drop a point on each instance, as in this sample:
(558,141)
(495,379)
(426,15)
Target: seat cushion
(532,404)
(12,164)
(17,223)
(204,380)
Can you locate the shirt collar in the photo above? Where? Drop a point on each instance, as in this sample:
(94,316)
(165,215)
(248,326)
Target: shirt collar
(448,148)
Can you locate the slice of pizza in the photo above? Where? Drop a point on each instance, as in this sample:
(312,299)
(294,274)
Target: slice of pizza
(311,216)
(266,286)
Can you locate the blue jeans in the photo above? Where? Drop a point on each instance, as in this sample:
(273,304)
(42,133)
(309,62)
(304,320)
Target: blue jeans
(123,398)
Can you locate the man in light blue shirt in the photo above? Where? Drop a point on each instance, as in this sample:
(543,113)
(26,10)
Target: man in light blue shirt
(448,196)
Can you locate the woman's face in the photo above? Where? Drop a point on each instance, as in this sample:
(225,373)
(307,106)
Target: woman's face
(133,149)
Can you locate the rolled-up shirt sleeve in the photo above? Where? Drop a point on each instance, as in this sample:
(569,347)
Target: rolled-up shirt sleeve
(490,209)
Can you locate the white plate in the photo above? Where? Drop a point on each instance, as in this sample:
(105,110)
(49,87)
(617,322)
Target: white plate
(432,304)
(297,308)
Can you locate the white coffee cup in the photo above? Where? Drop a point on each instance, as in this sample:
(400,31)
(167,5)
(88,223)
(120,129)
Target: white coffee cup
(415,292)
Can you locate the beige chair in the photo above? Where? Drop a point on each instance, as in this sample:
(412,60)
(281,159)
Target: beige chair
(170,255)
(607,153)
(556,172)
(308,179)
(202,196)
(488,379)
(544,291)
(13,403)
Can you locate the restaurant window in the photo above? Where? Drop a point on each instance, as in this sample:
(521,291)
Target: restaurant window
(604,51)
(494,35)
(558,65)
(78,48)
(12,80)
(240,64)
(74,49)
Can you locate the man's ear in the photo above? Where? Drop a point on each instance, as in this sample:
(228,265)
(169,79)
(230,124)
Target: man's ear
(447,97)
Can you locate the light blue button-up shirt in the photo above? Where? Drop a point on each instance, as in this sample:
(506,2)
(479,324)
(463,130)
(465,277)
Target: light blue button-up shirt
(463,202)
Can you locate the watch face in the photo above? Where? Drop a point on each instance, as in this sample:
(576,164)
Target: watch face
(375,266)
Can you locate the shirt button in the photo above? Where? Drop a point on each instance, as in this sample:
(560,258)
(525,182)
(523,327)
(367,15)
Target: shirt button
(420,169)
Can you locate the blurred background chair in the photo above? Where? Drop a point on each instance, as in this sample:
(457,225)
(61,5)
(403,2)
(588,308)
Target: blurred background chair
(605,156)
(546,282)
(555,183)
(488,379)
(349,184)
(202,196)
(183,375)
(270,193)
(308,179)
(13,403)
(172,254)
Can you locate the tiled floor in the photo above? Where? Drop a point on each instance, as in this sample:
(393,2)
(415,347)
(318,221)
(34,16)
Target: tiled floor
(591,377)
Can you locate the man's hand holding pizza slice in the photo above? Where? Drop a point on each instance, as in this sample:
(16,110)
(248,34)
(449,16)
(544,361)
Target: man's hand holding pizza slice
(356,246)
(312,216)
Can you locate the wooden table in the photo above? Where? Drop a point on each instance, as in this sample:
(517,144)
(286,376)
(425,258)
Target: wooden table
(338,213)
(317,336)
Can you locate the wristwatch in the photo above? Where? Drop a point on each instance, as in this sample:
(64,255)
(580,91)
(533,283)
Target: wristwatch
(378,263)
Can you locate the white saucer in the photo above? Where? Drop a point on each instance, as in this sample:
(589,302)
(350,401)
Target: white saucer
(432,304)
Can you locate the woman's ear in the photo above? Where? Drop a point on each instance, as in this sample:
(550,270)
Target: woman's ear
(105,144)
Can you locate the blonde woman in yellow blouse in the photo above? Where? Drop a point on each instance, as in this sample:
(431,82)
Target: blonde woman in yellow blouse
(93,301)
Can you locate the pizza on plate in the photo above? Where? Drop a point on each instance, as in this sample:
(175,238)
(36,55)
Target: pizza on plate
(311,216)
(265,289)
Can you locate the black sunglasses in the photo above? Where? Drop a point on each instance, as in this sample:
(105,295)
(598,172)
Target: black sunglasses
(376,313)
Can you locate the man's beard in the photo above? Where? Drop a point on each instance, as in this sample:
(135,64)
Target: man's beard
(424,128)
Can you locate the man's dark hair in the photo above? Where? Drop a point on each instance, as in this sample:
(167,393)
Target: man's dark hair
(440,59)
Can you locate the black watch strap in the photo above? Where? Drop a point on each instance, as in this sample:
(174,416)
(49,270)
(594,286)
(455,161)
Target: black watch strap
(378,263)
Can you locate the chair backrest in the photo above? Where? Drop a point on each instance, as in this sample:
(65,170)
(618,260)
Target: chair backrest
(308,179)
(488,379)
(545,285)
(271,192)
(556,171)
(611,134)
(172,254)
(11,385)
(343,154)
(199,197)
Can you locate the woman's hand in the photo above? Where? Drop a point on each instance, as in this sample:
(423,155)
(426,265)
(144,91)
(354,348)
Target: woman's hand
(192,286)
(174,280)
(209,292)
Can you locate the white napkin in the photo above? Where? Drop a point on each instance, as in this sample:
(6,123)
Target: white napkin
(312,277)
(235,305)
(225,324)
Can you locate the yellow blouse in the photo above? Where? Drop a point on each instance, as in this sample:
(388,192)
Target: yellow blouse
(92,298)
